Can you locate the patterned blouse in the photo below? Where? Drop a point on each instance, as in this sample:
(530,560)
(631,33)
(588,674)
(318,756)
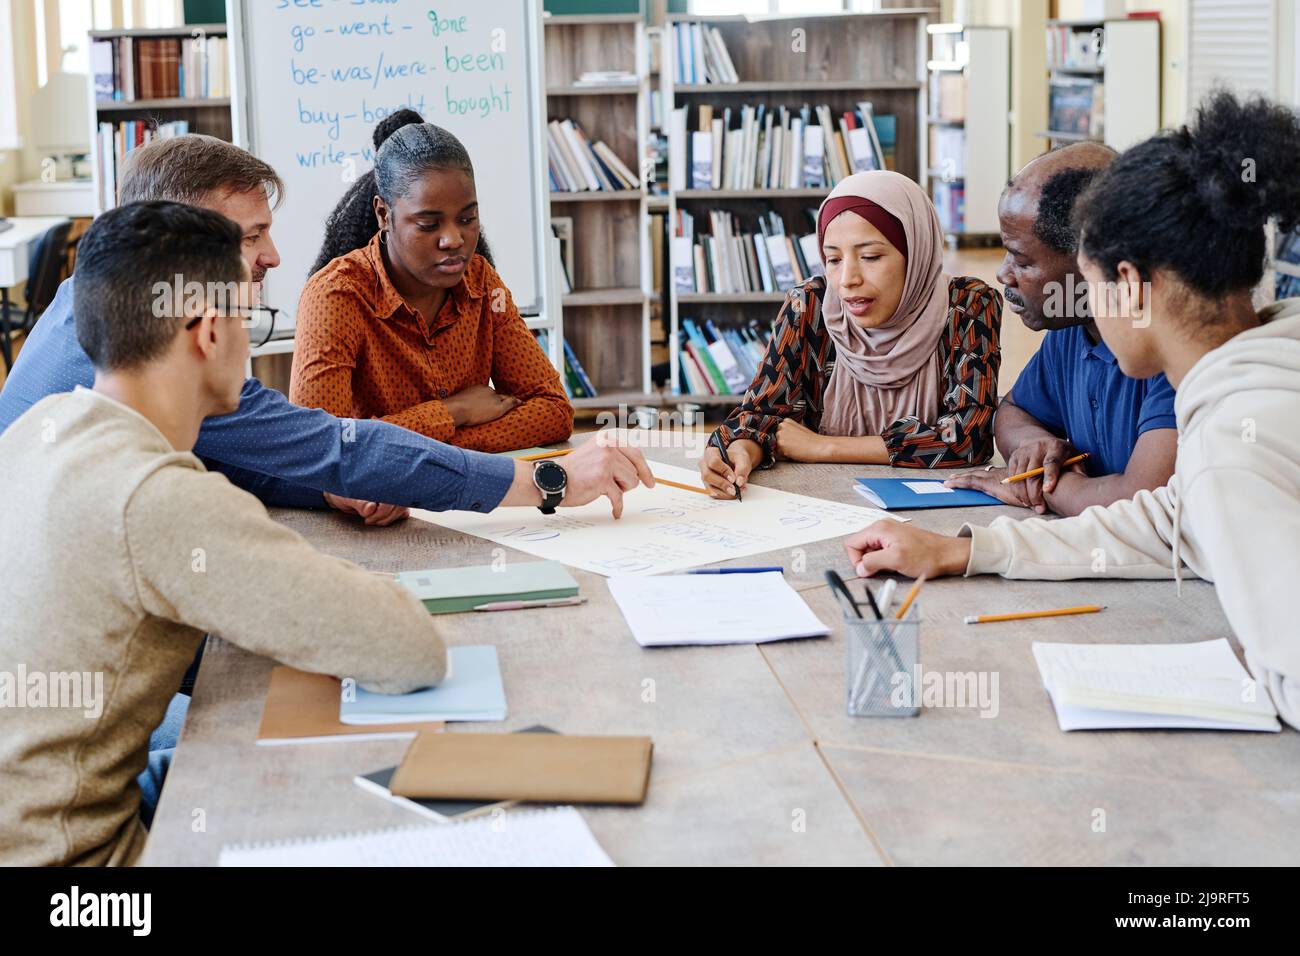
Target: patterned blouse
(792,379)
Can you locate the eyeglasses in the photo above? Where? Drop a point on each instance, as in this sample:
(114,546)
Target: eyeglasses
(251,319)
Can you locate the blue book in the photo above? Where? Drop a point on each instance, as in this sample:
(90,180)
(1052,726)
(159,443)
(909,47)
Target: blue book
(472,691)
(902,494)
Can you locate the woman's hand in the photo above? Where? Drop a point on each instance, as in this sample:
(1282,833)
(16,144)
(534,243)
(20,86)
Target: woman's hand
(799,443)
(722,481)
(478,405)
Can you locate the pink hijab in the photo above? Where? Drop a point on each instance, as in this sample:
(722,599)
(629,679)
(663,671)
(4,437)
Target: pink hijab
(892,371)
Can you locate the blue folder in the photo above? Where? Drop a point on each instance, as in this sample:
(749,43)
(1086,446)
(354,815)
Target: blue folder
(893,494)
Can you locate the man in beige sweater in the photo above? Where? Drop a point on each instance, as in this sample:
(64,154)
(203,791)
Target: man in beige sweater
(125,550)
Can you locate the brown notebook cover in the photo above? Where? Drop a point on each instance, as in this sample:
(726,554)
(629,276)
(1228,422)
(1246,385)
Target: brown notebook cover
(303,705)
(544,768)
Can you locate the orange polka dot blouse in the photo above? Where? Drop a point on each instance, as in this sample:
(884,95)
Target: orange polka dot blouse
(361,352)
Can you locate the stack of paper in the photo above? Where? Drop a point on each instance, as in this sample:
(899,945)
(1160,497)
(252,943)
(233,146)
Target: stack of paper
(713,609)
(472,690)
(1110,686)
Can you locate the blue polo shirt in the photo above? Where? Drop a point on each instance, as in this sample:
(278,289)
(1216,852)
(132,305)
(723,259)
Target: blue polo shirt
(1077,391)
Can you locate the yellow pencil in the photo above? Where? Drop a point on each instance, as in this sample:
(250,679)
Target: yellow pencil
(1024,615)
(911,596)
(1035,472)
(545,454)
(678,484)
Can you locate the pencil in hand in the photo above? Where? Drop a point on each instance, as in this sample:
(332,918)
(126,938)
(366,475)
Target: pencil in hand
(1035,472)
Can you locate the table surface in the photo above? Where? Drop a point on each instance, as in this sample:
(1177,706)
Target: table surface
(755,759)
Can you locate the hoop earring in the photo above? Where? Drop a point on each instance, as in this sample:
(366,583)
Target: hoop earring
(383,237)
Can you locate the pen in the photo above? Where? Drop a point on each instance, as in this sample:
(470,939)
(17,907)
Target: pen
(726,460)
(1035,472)
(521,605)
(734,570)
(1025,615)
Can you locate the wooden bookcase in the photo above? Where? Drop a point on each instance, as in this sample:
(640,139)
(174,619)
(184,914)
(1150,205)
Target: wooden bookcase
(204,115)
(607,313)
(1128,70)
(836,59)
(978,59)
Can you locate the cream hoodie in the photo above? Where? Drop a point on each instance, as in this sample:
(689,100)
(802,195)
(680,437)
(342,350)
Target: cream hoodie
(1231,511)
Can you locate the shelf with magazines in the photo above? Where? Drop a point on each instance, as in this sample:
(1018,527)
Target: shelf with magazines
(969,129)
(597,106)
(155,83)
(763,117)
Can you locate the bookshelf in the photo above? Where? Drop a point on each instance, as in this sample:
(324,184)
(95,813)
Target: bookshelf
(210,115)
(607,312)
(836,60)
(1087,58)
(969,125)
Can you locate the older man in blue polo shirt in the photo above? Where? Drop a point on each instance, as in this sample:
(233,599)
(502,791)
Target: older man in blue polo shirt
(1072,397)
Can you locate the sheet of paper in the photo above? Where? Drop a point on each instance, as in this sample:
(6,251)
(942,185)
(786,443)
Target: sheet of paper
(552,837)
(664,528)
(713,609)
(928,487)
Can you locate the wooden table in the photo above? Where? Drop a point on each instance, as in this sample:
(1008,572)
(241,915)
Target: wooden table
(755,760)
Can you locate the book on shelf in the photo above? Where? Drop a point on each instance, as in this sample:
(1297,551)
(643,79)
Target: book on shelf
(1071,48)
(1075,105)
(950,204)
(730,259)
(607,78)
(720,360)
(576,164)
(700,55)
(948,151)
(757,147)
(115,141)
(148,68)
(574,377)
(949,48)
(948,95)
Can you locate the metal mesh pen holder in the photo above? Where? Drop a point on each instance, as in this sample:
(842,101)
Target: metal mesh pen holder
(882,658)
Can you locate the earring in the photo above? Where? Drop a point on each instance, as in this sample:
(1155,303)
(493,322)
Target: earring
(383,237)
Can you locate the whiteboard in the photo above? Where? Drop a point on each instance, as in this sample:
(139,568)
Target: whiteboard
(313,77)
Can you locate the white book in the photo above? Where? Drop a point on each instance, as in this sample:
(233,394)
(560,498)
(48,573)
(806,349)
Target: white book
(864,158)
(578,146)
(729,68)
(1109,686)
(794,155)
(683,264)
(619,168)
(557,154)
(782,268)
(813,157)
(764,264)
(778,150)
(701,160)
(718,136)
(869,122)
(556,836)
(765,154)
(701,73)
(811,254)
(677,173)
(727,365)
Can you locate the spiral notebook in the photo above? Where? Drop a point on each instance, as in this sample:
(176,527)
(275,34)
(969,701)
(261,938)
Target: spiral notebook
(553,837)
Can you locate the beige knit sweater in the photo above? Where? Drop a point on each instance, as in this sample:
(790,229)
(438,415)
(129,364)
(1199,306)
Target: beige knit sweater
(117,553)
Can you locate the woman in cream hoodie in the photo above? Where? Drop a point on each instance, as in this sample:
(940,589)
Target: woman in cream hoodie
(1172,243)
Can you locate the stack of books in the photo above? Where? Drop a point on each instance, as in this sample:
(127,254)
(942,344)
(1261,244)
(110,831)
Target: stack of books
(114,142)
(731,259)
(576,164)
(700,55)
(718,361)
(139,68)
(755,147)
(577,384)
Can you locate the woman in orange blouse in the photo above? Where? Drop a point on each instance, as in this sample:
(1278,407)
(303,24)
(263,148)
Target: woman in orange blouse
(405,319)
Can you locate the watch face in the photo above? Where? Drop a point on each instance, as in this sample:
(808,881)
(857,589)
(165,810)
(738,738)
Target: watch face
(550,477)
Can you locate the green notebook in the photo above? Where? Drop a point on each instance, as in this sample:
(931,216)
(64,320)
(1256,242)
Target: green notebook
(446,590)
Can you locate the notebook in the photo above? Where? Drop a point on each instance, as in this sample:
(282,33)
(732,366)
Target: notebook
(542,768)
(471,691)
(447,590)
(555,836)
(303,708)
(440,811)
(1198,686)
(713,609)
(901,494)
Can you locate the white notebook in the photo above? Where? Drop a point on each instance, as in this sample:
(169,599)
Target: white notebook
(557,836)
(713,609)
(472,690)
(1198,686)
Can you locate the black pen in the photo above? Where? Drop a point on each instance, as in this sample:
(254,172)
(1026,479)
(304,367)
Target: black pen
(735,486)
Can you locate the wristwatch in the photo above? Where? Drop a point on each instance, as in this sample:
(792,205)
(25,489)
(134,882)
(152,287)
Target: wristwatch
(551,480)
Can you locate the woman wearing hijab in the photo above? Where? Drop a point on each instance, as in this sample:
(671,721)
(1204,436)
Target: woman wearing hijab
(886,361)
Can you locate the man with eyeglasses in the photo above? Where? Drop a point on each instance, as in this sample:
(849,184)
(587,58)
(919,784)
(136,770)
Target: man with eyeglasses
(125,549)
